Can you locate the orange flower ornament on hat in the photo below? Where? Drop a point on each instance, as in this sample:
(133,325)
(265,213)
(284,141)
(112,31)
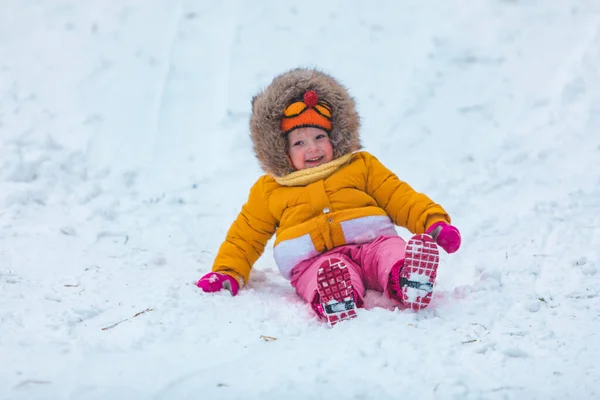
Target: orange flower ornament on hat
(308,112)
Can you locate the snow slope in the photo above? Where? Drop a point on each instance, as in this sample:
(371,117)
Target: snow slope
(124,157)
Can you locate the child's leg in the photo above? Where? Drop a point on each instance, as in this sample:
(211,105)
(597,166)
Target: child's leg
(378,258)
(305,279)
(405,272)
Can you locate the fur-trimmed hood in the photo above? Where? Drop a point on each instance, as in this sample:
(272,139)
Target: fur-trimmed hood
(269,143)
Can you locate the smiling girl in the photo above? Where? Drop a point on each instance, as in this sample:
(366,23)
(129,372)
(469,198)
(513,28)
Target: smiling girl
(332,207)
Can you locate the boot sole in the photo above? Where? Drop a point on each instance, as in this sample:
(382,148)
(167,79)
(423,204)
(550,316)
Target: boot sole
(418,274)
(336,292)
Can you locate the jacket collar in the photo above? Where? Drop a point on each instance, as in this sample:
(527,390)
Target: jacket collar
(307,176)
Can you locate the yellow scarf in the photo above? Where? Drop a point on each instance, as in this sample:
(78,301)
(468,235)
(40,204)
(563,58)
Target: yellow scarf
(309,175)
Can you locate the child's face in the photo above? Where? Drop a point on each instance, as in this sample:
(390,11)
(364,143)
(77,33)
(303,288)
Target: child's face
(309,147)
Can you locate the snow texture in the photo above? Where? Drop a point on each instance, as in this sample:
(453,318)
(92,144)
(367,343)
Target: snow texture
(125,156)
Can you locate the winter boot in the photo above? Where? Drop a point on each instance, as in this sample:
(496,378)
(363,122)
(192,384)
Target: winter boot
(412,280)
(335,291)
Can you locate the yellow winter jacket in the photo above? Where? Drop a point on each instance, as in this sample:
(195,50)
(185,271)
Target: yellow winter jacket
(353,199)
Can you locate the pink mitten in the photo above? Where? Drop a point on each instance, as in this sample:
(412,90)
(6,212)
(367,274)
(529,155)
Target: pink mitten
(445,235)
(215,281)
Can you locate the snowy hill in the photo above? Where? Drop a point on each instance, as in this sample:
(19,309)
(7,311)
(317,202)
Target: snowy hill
(125,155)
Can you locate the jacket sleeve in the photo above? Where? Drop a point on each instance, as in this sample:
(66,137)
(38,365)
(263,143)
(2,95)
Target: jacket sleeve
(406,207)
(247,236)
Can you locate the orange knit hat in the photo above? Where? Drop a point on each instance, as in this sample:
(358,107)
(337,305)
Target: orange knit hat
(308,112)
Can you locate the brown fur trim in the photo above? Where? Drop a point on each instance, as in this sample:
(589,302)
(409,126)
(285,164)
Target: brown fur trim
(269,143)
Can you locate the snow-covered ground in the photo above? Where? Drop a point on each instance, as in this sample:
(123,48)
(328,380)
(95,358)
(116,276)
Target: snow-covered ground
(125,155)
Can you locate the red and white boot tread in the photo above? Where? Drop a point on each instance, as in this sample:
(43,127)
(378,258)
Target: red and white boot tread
(336,292)
(418,274)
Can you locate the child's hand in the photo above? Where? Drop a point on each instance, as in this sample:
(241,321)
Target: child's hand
(445,235)
(215,281)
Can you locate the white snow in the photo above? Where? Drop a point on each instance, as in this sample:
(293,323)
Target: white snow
(125,155)
(418,277)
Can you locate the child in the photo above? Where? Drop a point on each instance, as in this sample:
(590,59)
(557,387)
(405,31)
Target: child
(332,206)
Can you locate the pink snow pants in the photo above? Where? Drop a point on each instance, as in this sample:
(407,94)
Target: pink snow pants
(369,265)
